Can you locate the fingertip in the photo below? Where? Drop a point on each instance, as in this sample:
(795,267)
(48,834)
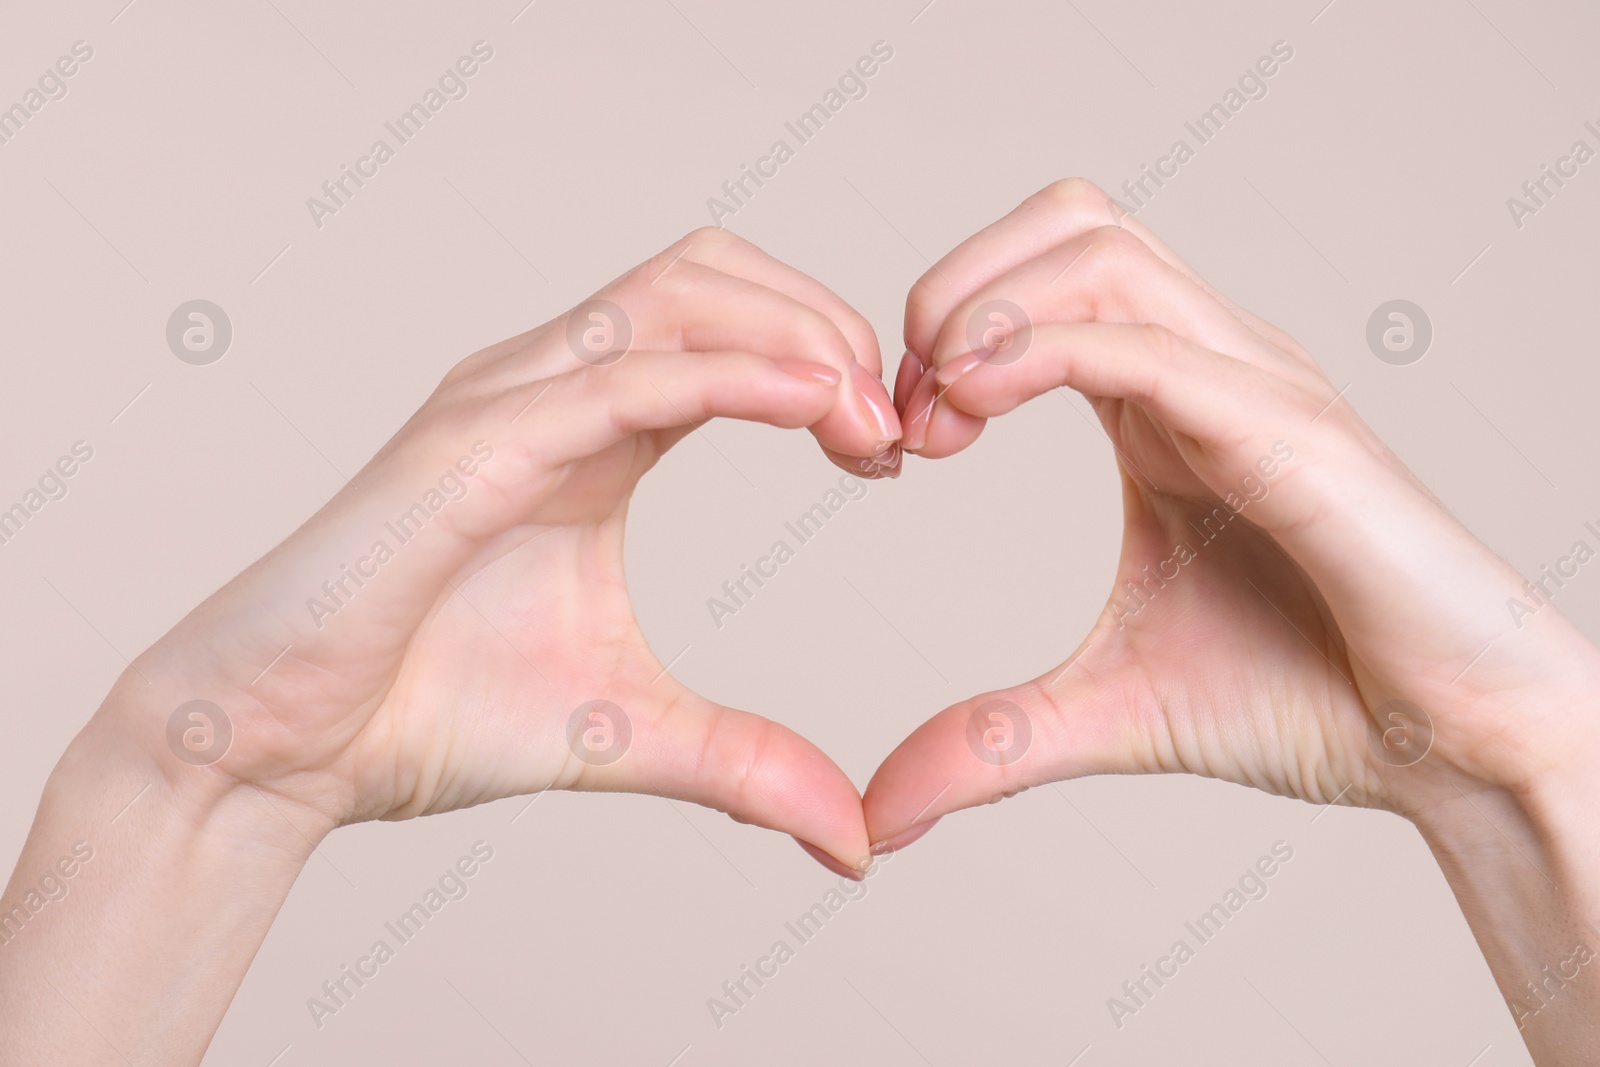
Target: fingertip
(905,837)
(958,368)
(757,771)
(910,373)
(949,430)
(855,873)
(876,406)
(886,464)
(862,422)
(920,403)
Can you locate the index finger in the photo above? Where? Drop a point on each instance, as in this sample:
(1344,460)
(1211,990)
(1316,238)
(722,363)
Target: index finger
(872,406)
(1053,216)
(731,254)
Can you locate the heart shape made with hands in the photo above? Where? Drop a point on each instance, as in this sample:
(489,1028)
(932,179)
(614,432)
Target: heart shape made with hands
(1218,652)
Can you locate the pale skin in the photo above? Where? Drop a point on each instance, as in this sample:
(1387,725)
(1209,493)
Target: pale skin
(449,680)
(1272,659)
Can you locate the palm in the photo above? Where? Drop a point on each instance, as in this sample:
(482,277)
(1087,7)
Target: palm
(536,632)
(1225,655)
(1292,607)
(538,619)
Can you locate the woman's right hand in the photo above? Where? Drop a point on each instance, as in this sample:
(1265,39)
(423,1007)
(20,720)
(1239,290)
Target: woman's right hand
(440,633)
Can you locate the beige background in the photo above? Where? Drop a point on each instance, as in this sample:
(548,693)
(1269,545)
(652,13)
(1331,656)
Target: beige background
(1378,167)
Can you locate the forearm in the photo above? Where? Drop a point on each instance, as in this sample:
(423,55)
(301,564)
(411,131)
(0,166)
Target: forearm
(1526,871)
(141,896)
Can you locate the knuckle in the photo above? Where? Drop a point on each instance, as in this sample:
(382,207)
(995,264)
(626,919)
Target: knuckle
(1170,350)
(698,247)
(861,335)
(859,321)
(1075,195)
(459,374)
(1165,343)
(1119,241)
(711,238)
(732,752)
(701,235)
(750,770)
(814,332)
(925,303)
(480,368)
(1114,248)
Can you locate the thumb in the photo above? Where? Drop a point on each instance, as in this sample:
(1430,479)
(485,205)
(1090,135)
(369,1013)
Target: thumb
(1082,718)
(686,747)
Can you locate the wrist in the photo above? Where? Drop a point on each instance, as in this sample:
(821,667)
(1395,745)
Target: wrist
(141,895)
(1524,864)
(171,753)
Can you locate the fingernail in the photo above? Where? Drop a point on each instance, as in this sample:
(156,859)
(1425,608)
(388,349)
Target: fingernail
(903,838)
(919,411)
(910,374)
(807,371)
(855,874)
(957,368)
(886,464)
(868,388)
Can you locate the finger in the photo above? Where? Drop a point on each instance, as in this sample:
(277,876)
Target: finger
(733,255)
(721,250)
(1084,718)
(1056,215)
(725,251)
(756,770)
(1213,398)
(718,248)
(1146,364)
(1355,527)
(590,410)
(695,307)
(448,487)
(909,374)
(1233,422)
(1104,275)
(917,400)
(885,464)
(931,428)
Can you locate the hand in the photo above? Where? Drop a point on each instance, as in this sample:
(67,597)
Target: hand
(433,632)
(1292,610)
